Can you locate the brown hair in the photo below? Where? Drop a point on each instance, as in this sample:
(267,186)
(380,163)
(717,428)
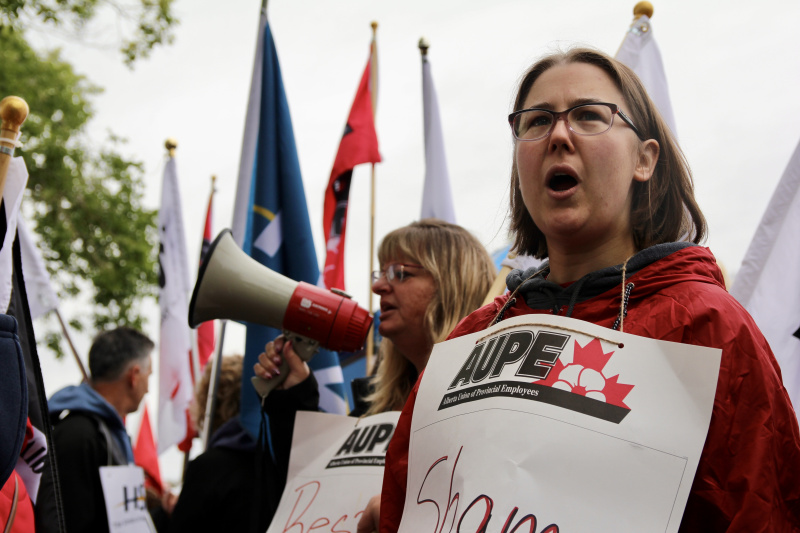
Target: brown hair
(663,208)
(462,272)
(228,394)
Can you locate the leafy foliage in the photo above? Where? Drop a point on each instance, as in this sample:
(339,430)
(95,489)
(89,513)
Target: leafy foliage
(86,200)
(152,20)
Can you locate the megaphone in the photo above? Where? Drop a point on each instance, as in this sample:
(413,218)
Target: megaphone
(231,285)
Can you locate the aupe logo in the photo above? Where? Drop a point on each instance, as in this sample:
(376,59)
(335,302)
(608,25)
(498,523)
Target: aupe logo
(365,446)
(540,375)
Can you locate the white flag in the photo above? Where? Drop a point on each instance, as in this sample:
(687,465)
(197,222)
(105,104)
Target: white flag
(16,179)
(41,296)
(175,380)
(437,199)
(768,284)
(639,51)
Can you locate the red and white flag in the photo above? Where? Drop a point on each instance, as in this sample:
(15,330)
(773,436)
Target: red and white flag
(175,379)
(359,145)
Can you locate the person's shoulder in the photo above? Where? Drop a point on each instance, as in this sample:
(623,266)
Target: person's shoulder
(479,319)
(75,425)
(217,461)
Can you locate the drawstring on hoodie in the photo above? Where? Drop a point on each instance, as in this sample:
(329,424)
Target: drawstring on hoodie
(626,290)
(511,300)
(623,304)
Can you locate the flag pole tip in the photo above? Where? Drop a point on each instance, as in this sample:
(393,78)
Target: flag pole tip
(13,112)
(170,144)
(424,45)
(643,8)
(374,25)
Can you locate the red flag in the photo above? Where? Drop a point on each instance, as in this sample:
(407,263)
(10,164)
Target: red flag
(359,145)
(144,454)
(205,331)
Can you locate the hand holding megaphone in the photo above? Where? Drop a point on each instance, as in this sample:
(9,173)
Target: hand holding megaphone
(232,285)
(280,359)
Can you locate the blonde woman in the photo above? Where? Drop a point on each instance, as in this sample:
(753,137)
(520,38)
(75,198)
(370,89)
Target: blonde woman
(432,274)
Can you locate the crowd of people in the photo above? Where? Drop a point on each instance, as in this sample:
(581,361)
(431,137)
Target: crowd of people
(600,189)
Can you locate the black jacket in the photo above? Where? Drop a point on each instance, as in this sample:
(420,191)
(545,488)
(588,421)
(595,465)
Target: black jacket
(231,486)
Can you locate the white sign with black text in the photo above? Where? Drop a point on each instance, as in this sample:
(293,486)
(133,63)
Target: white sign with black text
(335,468)
(548,424)
(126,506)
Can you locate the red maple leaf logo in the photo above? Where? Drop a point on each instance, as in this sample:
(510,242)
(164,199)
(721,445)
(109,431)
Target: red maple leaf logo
(585,376)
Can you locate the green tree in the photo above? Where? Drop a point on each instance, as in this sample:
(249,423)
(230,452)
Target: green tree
(152,20)
(86,198)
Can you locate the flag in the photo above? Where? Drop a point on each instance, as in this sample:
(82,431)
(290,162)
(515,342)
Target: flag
(437,198)
(640,52)
(37,463)
(768,282)
(271,218)
(145,455)
(175,346)
(16,179)
(41,296)
(359,144)
(205,331)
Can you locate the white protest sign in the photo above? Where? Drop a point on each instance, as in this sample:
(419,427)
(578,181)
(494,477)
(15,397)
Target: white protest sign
(335,468)
(545,424)
(123,489)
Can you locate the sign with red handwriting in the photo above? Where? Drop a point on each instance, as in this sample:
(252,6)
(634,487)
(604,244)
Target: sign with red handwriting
(546,424)
(335,468)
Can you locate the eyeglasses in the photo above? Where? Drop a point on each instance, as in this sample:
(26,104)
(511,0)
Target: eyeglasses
(584,119)
(395,271)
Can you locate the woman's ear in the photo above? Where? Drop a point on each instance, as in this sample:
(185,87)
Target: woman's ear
(648,157)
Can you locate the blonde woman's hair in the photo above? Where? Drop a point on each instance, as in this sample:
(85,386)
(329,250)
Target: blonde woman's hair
(462,273)
(228,394)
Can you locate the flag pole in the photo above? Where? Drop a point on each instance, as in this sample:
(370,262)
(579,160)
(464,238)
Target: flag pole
(641,8)
(13,112)
(72,346)
(373,73)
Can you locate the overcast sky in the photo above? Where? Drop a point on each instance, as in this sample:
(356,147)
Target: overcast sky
(733,70)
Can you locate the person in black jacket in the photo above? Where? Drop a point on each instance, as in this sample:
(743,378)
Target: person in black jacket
(233,485)
(89,429)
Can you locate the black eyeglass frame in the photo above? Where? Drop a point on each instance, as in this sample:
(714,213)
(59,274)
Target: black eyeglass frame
(615,110)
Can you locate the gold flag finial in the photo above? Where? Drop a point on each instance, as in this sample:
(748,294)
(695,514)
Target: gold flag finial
(170,144)
(423,46)
(643,8)
(374,25)
(13,111)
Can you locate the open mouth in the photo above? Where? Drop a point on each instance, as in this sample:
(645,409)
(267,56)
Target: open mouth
(562,182)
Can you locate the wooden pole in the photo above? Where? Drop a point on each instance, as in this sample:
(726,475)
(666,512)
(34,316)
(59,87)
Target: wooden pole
(373,72)
(13,112)
(72,346)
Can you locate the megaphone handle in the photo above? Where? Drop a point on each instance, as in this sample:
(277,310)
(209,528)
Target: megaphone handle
(265,386)
(305,349)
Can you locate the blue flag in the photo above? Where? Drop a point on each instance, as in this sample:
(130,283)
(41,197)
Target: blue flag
(271,218)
